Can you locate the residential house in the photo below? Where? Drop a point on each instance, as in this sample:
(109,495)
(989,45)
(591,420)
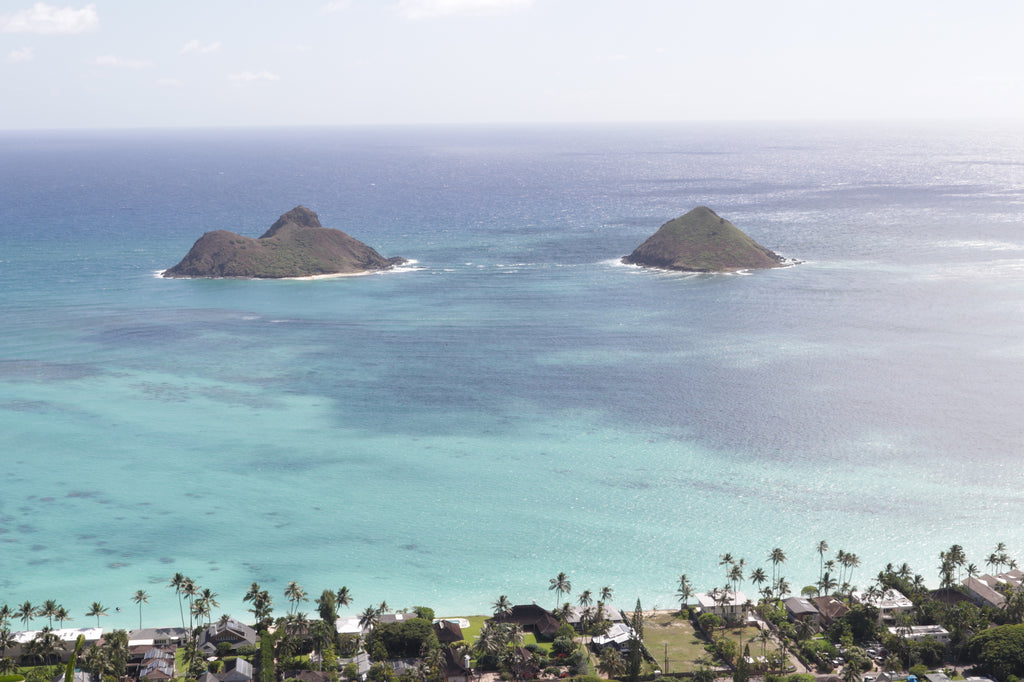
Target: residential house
(533,618)
(889,603)
(800,608)
(829,609)
(730,606)
(618,636)
(448,631)
(230,631)
(981,591)
(456,668)
(917,633)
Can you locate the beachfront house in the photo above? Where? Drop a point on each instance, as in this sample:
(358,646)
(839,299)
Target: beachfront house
(533,618)
(448,631)
(67,636)
(801,608)
(727,605)
(618,637)
(889,603)
(981,590)
(830,610)
(227,631)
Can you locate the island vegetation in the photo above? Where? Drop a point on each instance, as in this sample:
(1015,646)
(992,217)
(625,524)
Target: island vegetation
(895,628)
(701,241)
(294,246)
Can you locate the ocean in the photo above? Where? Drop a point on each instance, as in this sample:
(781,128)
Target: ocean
(515,403)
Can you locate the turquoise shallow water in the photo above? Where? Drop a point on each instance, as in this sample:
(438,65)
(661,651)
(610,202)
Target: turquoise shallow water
(516,404)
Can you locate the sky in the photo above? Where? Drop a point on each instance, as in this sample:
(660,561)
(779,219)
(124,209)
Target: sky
(245,63)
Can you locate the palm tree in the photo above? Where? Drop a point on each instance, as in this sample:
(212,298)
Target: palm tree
(295,594)
(8,666)
(7,640)
(48,610)
(851,672)
(25,613)
(252,593)
(827,584)
(776,556)
(684,592)
(177,581)
(502,607)
(343,598)
(190,590)
(368,618)
(97,609)
(262,606)
(606,593)
(561,585)
(585,599)
(62,615)
(611,663)
(757,576)
(140,597)
(5,614)
(209,599)
(821,548)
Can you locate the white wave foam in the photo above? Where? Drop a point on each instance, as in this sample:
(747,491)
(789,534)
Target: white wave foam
(981,244)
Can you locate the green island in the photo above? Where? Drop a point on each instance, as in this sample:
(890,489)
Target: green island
(297,245)
(893,630)
(701,241)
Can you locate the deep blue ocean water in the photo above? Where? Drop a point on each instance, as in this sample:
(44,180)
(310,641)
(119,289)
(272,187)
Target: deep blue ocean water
(515,404)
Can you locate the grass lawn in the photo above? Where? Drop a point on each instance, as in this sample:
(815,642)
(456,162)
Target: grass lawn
(684,647)
(476,623)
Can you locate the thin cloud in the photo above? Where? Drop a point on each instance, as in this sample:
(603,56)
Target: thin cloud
(196,47)
(21,55)
(424,9)
(336,6)
(253,76)
(121,63)
(46,19)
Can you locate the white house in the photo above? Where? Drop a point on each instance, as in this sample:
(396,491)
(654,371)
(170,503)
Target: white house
(724,604)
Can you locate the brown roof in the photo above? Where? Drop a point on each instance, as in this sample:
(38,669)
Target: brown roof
(531,616)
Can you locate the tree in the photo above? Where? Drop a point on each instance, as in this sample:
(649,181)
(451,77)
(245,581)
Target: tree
(48,610)
(7,641)
(97,609)
(636,643)
(585,599)
(343,598)
(62,615)
(140,597)
(684,592)
(327,606)
(776,556)
(295,594)
(176,581)
(851,672)
(611,663)
(190,590)
(606,594)
(502,606)
(25,613)
(561,585)
(368,618)
(821,548)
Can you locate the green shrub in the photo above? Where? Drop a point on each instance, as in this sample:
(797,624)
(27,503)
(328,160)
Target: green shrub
(12,678)
(919,670)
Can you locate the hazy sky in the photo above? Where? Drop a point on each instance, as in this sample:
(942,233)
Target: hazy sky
(128,63)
